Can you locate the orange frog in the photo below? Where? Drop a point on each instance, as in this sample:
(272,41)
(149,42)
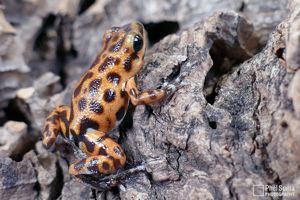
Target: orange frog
(100,102)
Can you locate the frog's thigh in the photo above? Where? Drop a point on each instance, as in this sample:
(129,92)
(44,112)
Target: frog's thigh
(105,157)
(145,97)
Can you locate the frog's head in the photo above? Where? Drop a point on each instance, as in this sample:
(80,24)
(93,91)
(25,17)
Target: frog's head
(128,45)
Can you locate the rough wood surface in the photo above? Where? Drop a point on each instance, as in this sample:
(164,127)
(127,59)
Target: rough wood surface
(233,122)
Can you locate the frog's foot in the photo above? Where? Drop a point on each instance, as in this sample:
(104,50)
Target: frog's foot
(104,155)
(55,125)
(171,87)
(106,182)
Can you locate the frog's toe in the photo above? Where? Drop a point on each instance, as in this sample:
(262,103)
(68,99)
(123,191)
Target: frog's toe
(169,88)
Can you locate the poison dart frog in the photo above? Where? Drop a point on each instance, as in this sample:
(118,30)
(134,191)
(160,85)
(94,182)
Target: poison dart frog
(100,101)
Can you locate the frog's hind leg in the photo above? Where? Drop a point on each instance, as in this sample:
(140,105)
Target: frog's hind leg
(56,122)
(104,155)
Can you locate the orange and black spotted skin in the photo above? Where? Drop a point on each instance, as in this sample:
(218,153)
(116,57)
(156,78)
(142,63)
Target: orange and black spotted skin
(100,102)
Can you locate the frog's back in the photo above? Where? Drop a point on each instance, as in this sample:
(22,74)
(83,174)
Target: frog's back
(99,101)
(94,101)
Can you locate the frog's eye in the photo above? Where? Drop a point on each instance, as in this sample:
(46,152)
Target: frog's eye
(137,43)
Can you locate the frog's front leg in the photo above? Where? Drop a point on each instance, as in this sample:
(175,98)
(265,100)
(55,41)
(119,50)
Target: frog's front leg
(104,155)
(56,122)
(145,97)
